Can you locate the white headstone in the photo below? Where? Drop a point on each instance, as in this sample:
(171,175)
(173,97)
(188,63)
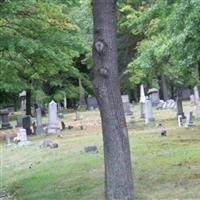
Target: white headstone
(148,112)
(52,118)
(22,136)
(142,94)
(188,123)
(198,112)
(192,100)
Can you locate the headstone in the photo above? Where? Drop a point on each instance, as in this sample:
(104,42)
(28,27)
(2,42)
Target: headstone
(22,136)
(52,118)
(180,121)
(192,100)
(154,96)
(10,108)
(160,105)
(60,115)
(142,102)
(91,149)
(19,121)
(7,140)
(39,127)
(5,120)
(179,107)
(188,123)
(198,112)
(26,124)
(196,94)
(92,102)
(148,112)
(48,143)
(126,105)
(78,115)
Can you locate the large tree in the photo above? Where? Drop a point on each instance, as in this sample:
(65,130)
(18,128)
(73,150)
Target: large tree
(118,175)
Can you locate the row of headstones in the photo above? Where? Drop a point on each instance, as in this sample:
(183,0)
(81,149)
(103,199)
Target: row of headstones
(146,107)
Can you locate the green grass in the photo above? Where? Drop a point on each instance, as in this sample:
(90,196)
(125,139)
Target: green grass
(163,167)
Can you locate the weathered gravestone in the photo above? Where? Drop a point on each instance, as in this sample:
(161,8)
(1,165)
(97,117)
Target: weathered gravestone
(189,122)
(192,100)
(22,137)
(91,148)
(154,96)
(198,112)
(19,121)
(26,124)
(78,116)
(52,118)
(92,102)
(39,127)
(126,105)
(5,120)
(142,102)
(148,111)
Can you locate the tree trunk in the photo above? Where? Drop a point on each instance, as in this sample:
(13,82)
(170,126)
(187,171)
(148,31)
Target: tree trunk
(164,87)
(118,175)
(28,102)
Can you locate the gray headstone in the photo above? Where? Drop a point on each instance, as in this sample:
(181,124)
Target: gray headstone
(52,118)
(78,115)
(148,112)
(154,96)
(126,105)
(92,102)
(39,127)
(90,148)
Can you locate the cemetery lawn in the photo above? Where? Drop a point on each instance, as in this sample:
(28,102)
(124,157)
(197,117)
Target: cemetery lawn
(164,167)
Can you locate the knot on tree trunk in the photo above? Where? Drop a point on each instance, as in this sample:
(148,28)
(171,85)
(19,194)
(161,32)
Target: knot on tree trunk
(104,72)
(99,46)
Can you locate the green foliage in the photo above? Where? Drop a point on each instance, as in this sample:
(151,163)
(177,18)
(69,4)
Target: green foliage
(38,45)
(170,43)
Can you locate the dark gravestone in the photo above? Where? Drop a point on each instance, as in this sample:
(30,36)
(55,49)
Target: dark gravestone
(19,121)
(26,124)
(180,107)
(5,120)
(92,102)
(10,108)
(63,125)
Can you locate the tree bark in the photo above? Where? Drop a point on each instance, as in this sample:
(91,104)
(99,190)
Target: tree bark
(164,87)
(118,175)
(28,102)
